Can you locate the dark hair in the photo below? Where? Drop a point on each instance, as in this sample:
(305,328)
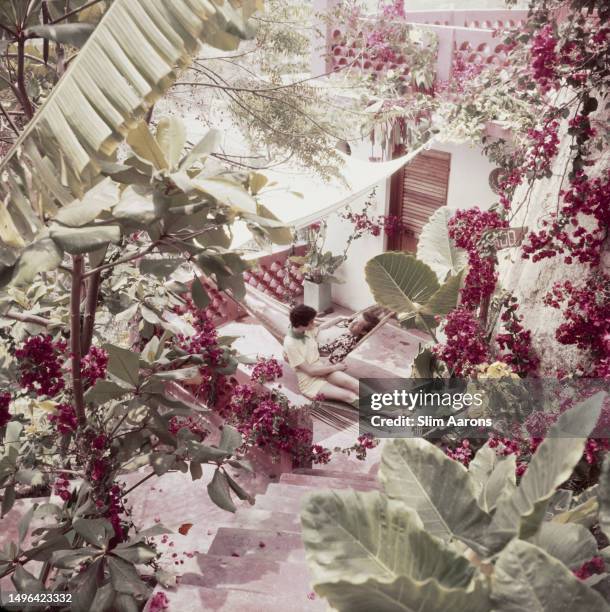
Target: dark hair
(370,318)
(301,315)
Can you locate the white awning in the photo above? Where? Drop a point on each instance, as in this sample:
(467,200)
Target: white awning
(298,199)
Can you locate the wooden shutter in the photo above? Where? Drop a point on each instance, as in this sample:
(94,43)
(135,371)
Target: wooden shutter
(420,189)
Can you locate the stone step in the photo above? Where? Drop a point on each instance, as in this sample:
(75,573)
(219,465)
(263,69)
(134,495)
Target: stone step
(255,518)
(322,472)
(258,544)
(189,598)
(281,490)
(317,483)
(290,497)
(246,573)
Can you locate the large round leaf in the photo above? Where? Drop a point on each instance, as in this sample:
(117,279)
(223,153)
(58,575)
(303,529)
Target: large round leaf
(439,489)
(400,282)
(527,578)
(370,553)
(436,249)
(552,464)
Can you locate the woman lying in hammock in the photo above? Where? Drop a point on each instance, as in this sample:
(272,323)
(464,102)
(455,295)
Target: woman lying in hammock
(356,327)
(315,377)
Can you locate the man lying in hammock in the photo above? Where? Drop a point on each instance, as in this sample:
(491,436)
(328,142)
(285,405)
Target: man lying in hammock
(315,377)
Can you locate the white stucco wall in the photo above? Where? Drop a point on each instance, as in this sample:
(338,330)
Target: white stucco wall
(468,186)
(468,176)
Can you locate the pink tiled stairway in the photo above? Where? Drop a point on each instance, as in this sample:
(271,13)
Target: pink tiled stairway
(255,561)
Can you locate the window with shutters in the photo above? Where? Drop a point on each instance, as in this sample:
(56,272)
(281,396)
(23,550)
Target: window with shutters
(417,191)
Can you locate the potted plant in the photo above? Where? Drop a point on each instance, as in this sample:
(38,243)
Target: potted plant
(318,267)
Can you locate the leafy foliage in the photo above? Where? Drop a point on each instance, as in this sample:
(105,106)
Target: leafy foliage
(379,551)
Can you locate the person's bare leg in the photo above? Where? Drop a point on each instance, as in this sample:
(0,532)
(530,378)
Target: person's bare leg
(341,379)
(333,392)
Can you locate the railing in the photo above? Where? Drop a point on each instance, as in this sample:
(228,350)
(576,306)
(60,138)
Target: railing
(471,34)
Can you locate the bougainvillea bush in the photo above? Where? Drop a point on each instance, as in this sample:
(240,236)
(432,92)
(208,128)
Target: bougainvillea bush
(87,390)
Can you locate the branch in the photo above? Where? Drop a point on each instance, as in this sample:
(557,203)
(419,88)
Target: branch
(76,11)
(23,94)
(8,118)
(75,339)
(93,290)
(148,249)
(25,318)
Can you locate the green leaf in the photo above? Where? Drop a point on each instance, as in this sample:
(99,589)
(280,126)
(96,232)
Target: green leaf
(135,553)
(445,299)
(257,182)
(123,364)
(202,453)
(74,34)
(400,282)
(171,136)
(436,249)
(181,374)
(220,491)
(161,268)
(103,599)
(8,500)
(227,192)
(501,483)
(124,577)
(40,256)
(137,207)
(146,147)
(552,464)
(24,581)
(367,552)
(44,550)
(124,602)
(85,586)
(210,143)
(99,198)
(230,439)
(162,462)
(96,532)
(199,294)
(239,490)
(278,235)
(422,364)
(570,543)
(79,240)
(525,574)
(196,470)
(105,390)
(439,489)
(30,477)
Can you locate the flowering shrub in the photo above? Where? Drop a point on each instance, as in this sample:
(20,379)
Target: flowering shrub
(587,325)
(468,228)
(544,58)
(190,423)
(94,365)
(465,347)
(64,419)
(596,565)
(266,370)
(267,421)
(40,365)
(462,453)
(516,340)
